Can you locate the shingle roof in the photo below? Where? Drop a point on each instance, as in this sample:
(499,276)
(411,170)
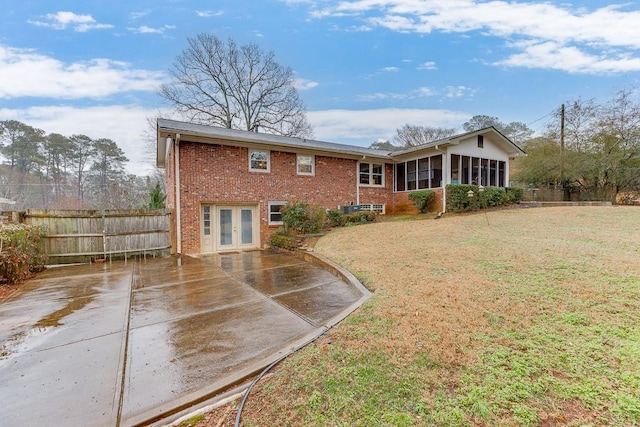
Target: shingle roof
(278,142)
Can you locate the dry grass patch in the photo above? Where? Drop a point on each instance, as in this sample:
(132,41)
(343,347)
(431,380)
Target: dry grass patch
(516,317)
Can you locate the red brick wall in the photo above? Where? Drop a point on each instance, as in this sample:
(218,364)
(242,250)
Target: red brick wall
(379,194)
(402,205)
(215,174)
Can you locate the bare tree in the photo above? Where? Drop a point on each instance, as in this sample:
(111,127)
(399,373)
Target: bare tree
(581,123)
(237,87)
(517,132)
(384,145)
(414,135)
(83,151)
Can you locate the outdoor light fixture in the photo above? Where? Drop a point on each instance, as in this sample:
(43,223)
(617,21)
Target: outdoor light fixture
(470,193)
(480,188)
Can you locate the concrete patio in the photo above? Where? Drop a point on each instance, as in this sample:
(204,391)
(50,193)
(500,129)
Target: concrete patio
(125,343)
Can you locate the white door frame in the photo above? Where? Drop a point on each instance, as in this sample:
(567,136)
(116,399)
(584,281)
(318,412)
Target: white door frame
(229,228)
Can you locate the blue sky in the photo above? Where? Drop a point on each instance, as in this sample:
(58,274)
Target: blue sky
(363,67)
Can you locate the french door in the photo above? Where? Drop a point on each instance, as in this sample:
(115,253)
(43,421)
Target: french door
(229,228)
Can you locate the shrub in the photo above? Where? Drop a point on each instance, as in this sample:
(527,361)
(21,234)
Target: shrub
(492,197)
(20,252)
(302,218)
(421,199)
(336,218)
(360,217)
(284,241)
(458,199)
(513,195)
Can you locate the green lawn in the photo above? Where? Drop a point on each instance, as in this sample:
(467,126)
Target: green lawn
(510,318)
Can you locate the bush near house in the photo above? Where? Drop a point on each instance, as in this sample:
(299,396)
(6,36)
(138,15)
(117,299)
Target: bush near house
(458,199)
(337,218)
(422,199)
(280,239)
(20,252)
(302,218)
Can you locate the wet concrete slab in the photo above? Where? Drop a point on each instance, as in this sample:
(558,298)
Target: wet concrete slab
(70,385)
(320,304)
(170,360)
(120,343)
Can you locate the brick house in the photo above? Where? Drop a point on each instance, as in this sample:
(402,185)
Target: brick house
(233,183)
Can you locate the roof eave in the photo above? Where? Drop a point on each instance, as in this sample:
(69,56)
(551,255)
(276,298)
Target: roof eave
(249,139)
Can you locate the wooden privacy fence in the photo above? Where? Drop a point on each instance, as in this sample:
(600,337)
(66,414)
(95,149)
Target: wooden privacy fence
(82,236)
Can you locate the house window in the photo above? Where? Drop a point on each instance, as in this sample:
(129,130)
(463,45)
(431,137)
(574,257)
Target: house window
(479,171)
(411,175)
(305,165)
(401,183)
(275,212)
(206,220)
(419,174)
(480,141)
(455,169)
(424,174)
(259,161)
(371,174)
(376,207)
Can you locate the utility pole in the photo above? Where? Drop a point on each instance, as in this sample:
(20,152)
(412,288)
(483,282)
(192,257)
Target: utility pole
(562,149)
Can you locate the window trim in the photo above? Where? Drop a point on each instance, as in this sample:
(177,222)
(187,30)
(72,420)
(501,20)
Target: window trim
(268,168)
(313,164)
(412,168)
(275,203)
(370,174)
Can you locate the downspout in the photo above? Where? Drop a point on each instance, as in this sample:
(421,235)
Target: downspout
(445,167)
(178,207)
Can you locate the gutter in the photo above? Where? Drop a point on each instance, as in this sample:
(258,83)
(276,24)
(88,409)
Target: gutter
(178,206)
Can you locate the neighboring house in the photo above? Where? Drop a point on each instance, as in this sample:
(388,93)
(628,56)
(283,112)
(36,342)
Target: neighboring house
(227,187)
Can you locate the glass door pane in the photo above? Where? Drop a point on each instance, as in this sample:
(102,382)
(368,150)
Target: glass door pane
(246,226)
(226,227)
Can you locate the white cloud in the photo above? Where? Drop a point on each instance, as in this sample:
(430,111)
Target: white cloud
(63,19)
(209,13)
(459,92)
(568,58)
(124,124)
(610,34)
(304,84)
(144,29)
(378,96)
(26,73)
(390,69)
(429,65)
(363,127)
(426,91)
(138,15)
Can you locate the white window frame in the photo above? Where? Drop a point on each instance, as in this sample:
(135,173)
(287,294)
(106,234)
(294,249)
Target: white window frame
(268,160)
(313,164)
(275,203)
(376,207)
(371,174)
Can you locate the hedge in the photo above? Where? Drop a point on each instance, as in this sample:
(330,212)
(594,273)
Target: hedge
(20,252)
(458,199)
